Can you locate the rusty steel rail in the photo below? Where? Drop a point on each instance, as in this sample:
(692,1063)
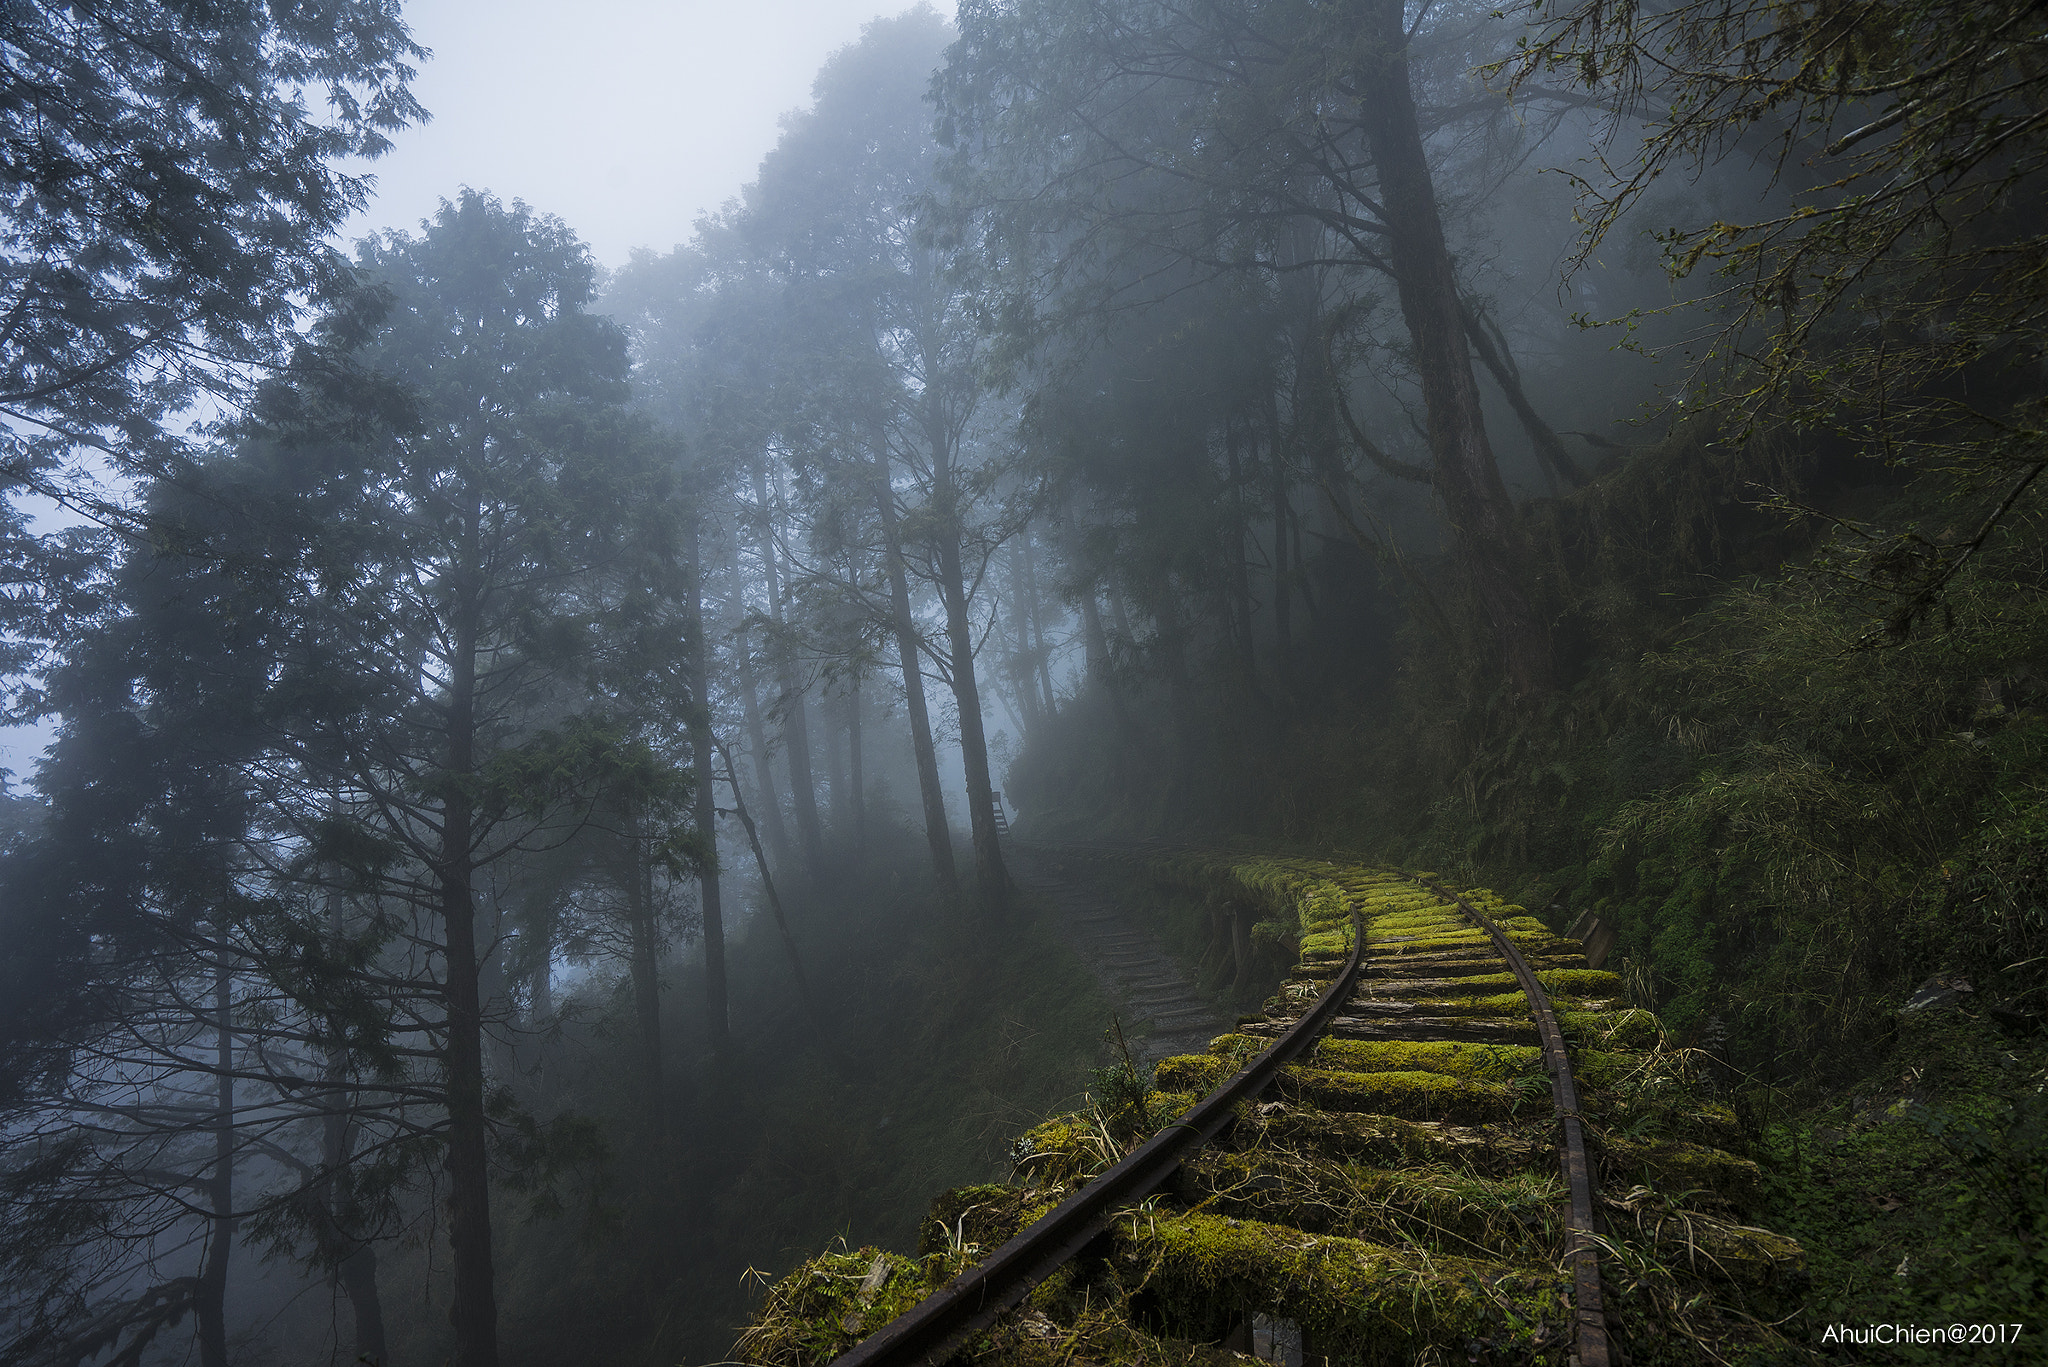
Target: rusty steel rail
(1589,1314)
(936,1327)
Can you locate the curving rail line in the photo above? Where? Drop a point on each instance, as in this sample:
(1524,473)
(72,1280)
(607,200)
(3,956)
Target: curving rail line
(1589,1316)
(936,1328)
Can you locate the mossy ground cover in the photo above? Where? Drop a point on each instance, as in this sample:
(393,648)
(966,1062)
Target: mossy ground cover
(1441,1206)
(1390,1141)
(1392,1197)
(1355,1301)
(1922,1197)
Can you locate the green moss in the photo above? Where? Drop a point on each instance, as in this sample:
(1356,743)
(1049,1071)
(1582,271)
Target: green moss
(1494,1062)
(1408,921)
(1063,1152)
(831,1303)
(1700,1248)
(1928,1208)
(1408,943)
(1581,982)
(1331,944)
(1454,985)
(977,1217)
(1442,1207)
(1237,1048)
(1432,939)
(1386,1140)
(1355,1301)
(1409,1095)
(1089,1334)
(1191,1073)
(1632,1028)
(1594,1068)
(1510,1004)
(1664,1110)
(1681,1169)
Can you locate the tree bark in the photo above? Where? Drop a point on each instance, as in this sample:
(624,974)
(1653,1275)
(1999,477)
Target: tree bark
(1283,579)
(357,1273)
(1240,570)
(646,972)
(1482,519)
(992,879)
(1119,613)
(1023,676)
(541,992)
(796,731)
(856,792)
(1034,616)
(938,835)
(474,1309)
(697,664)
(796,960)
(351,1259)
(1094,640)
(831,709)
(494,993)
(209,1295)
(1298,557)
(757,738)
(1241,950)
(1500,363)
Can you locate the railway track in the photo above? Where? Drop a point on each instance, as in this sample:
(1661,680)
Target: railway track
(1400,1159)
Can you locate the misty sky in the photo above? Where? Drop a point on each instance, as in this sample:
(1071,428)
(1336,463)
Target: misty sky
(627,118)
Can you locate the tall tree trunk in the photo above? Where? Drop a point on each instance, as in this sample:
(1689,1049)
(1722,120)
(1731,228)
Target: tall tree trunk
(474,1309)
(1492,346)
(796,960)
(1299,559)
(764,770)
(1103,670)
(1023,675)
(1240,570)
(1034,615)
(1185,724)
(493,992)
(1283,578)
(541,992)
(209,1296)
(992,880)
(1118,613)
(1094,640)
(1482,520)
(769,805)
(938,835)
(697,667)
(796,732)
(835,767)
(856,792)
(1316,425)
(646,972)
(357,1273)
(352,1259)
